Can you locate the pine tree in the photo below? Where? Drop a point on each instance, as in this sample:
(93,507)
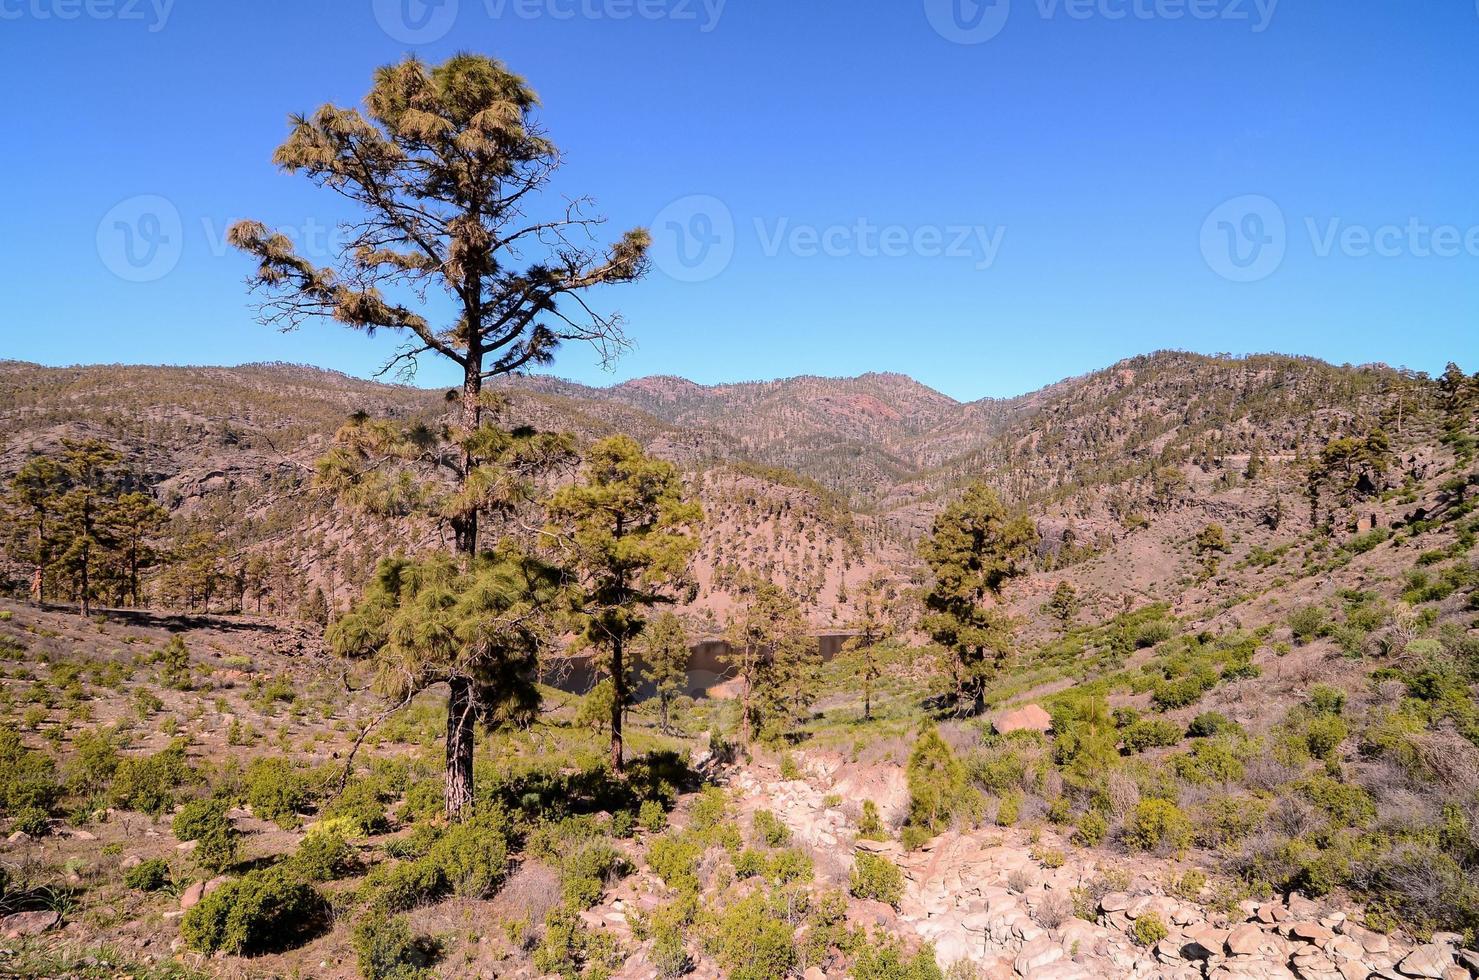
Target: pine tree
(866,652)
(976,547)
(135,525)
(665,654)
(773,654)
(626,530)
(483,620)
(31,507)
(93,473)
(446,169)
(1063,606)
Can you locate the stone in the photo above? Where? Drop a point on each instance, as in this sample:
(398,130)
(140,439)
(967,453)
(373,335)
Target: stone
(190,897)
(132,861)
(1028,718)
(1245,940)
(1037,953)
(19,924)
(1447,938)
(1310,932)
(19,837)
(1431,960)
(1114,902)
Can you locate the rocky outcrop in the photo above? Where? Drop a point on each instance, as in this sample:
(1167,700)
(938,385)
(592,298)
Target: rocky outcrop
(1028,718)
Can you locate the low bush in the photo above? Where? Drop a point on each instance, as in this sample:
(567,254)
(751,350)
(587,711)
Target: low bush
(1158,825)
(471,857)
(268,910)
(769,830)
(877,878)
(148,784)
(585,872)
(1149,929)
(325,855)
(276,790)
(752,943)
(1149,734)
(148,876)
(386,949)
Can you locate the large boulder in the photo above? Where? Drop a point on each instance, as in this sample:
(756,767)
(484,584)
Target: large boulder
(1028,718)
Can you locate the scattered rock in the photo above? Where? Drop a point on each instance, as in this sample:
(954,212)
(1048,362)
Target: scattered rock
(20,924)
(190,897)
(1029,718)
(1431,960)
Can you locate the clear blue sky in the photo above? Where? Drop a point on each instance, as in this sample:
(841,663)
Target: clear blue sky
(1088,143)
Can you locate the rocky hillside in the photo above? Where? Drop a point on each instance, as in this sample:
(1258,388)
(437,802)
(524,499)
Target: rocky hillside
(823,482)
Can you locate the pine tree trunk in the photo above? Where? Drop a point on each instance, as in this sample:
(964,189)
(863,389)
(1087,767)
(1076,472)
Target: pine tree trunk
(460,719)
(461,713)
(618,703)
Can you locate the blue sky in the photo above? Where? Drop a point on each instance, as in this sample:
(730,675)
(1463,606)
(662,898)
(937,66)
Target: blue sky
(1086,180)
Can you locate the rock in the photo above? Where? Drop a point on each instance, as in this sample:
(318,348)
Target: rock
(132,861)
(1029,718)
(20,837)
(1447,938)
(1039,952)
(190,897)
(214,883)
(1431,960)
(1114,902)
(19,924)
(1310,932)
(1245,940)
(814,973)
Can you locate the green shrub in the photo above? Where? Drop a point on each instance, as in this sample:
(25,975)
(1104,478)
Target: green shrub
(1008,809)
(1324,735)
(1326,700)
(1210,723)
(769,830)
(870,825)
(1152,733)
(217,843)
(750,863)
(1157,824)
(675,861)
(790,864)
(1149,929)
(570,949)
(148,783)
(386,949)
(1344,802)
(584,873)
(752,943)
(1225,820)
(268,910)
(403,885)
(472,857)
(148,876)
(27,778)
(360,808)
(198,818)
(325,855)
(1307,623)
(1092,829)
(886,960)
(938,792)
(651,816)
(31,821)
(1210,761)
(276,790)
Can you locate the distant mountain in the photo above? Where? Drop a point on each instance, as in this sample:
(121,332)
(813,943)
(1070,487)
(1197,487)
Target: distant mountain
(821,481)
